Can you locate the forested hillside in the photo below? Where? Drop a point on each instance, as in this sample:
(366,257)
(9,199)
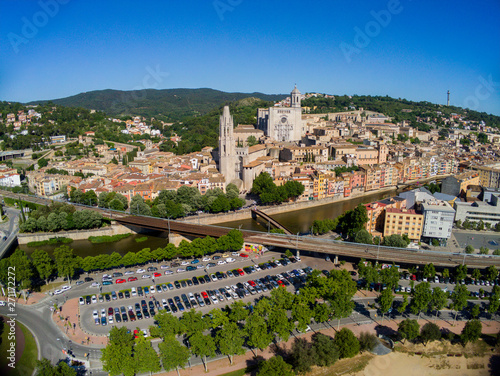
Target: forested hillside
(167,105)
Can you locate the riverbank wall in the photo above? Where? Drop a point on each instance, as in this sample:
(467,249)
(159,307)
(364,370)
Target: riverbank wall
(212,219)
(114,229)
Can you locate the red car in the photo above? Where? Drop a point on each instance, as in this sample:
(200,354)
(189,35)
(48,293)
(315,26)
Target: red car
(243,255)
(242,273)
(132,279)
(204,294)
(121,280)
(280,282)
(157,274)
(136,333)
(251,283)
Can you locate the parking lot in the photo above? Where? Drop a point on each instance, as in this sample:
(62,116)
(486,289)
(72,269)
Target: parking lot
(177,288)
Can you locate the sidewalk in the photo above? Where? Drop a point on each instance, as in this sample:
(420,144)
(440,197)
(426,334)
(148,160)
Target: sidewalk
(70,315)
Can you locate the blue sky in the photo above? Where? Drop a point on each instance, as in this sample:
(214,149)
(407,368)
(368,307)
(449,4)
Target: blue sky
(417,50)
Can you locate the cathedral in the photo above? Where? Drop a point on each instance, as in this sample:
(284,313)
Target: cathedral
(282,123)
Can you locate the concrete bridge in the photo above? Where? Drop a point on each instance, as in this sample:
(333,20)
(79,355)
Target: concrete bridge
(271,221)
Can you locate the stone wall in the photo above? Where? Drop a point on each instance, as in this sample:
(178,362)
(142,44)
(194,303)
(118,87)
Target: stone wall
(114,229)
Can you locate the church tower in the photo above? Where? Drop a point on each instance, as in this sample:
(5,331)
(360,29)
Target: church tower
(295,96)
(227,153)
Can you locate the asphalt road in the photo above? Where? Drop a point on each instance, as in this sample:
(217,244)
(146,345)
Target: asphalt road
(10,229)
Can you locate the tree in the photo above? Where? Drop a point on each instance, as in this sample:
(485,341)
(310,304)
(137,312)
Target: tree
(491,273)
(168,325)
(438,300)
(429,270)
(341,289)
(459,298)
(230,340)
(476,274)
(353,221)
(469,249)
(430,332)
(325,350)
(146,358)
(173,354)
(385,300)
(117,355)
(367,341)
(484,251)
(402,306)
(275,366)
(494,302)
(347,343)
(363,237)
(475,311)
(395,240)
(471,331)
(45,368)
(408,329)
(446,273)
(460,272)
(251,141)
(279,323)
(202,346)
(23,268)
(302,355)
(192,322)
(422,296)
(257,332)
(43,264)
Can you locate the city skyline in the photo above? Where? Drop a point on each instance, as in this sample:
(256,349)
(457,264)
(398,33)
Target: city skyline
(404,49)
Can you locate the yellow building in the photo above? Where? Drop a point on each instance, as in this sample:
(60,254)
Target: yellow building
(403,221)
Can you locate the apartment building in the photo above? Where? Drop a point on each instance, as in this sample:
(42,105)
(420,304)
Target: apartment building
(376,213)
(403,221)
(304,154)
(438,220)
(455,185)
(489,177)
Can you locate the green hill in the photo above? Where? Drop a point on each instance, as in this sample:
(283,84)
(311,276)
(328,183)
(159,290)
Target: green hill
(169,104)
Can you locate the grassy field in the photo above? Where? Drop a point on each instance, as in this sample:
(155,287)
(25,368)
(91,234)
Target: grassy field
(51,286)
(26,364)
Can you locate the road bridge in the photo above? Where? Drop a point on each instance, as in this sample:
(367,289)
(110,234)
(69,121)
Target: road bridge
(271,221)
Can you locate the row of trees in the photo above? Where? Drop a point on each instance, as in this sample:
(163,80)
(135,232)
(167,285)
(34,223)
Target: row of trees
(394,240)
(269,193)
(66,264)
(79,220)
(273,317)
(410,330)
(477,225)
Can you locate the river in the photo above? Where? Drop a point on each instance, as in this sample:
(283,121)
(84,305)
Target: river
(295,221)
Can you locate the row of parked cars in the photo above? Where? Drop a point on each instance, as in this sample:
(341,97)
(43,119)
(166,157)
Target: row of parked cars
(194,281)
(188,266)
(147,309)
(449,280)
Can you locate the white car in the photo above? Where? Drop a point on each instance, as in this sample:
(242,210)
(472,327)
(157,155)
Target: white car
(103,312)
(152,289)
(110,319)
(234,288)
(221,262)
(66,288)
(277,262)
(128,272)
(230,259)
(180,270)
(200,266)
(184,263)
(95,314)
(167,272)
(58,291)
(257,268)
(164,302)
(94,299)
(144,276)
(165,267)
(95,284)
(141,271)
(235,253)
(133,291)
(205,258)
(82,301)
(213,276)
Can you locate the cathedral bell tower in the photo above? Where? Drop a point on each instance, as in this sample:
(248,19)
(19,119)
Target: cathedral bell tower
(227,153)
(295,96)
